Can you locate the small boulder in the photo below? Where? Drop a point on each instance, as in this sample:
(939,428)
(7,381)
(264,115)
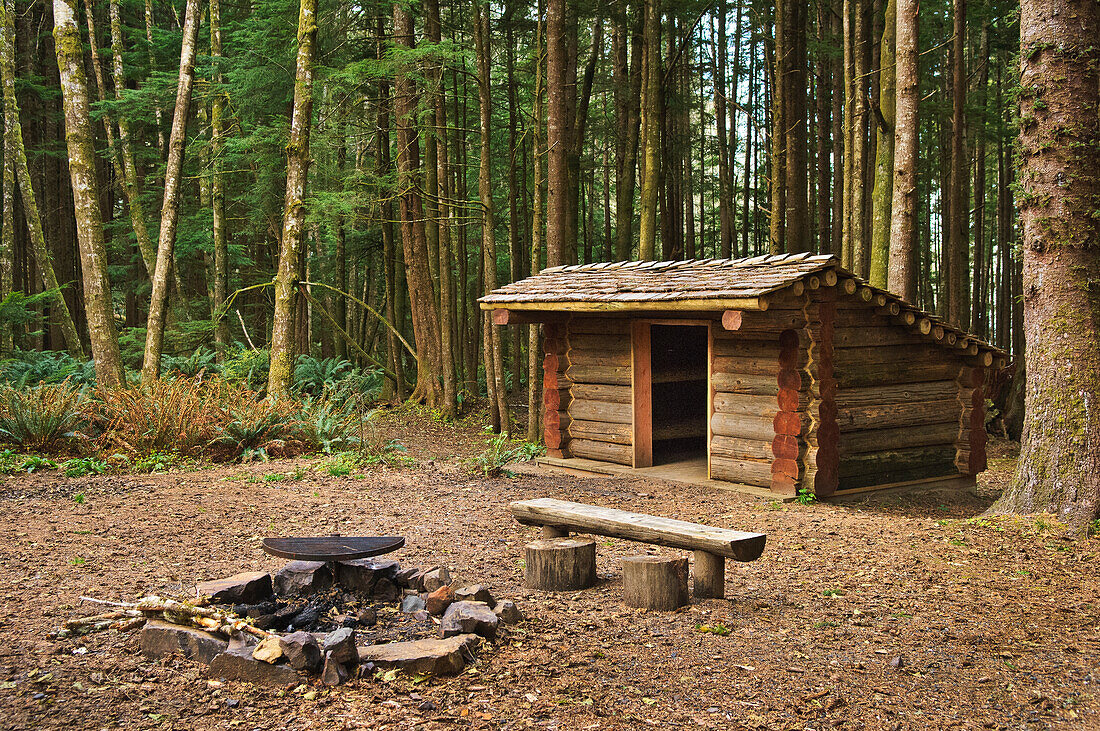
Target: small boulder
(269,650)
(301,651)
(422,657)
(239,664)
(404,578)
(367,617)
(436,578)
(334,672)
(162,638)
(411,604)
(302,577)
(470,618)
(475,593)
(438,601)
(508,612)
(362,574)
(340,646)
(422,615)
(385,590)
(248,588)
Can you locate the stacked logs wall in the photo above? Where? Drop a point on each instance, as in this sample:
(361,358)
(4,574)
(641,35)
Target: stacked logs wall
(600,407)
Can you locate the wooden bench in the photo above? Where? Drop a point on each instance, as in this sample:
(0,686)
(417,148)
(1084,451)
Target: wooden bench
(712,546)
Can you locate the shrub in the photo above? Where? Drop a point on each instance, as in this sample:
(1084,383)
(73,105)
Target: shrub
(26,368)
(41,418)
(198,363)
(171,414)
(247,367)
(500,452)
(315,375)
(329,426)
(253,428)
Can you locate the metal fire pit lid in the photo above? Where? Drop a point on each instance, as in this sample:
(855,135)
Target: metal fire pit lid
(332,548)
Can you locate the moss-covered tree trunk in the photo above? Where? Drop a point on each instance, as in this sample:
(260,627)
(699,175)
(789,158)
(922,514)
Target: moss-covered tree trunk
(89,222)
(169,212)
(13,136)
(958,198)
(534,365)
(1059,467)
(650,130)
(882,194)
(217,188)
(294,210)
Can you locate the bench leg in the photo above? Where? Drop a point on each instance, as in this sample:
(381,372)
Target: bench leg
(709,576)
(549,531)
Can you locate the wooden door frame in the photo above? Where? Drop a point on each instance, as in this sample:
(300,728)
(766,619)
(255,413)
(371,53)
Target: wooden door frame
(641,384)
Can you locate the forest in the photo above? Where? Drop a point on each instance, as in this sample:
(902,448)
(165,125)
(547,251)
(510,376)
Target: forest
(194,187)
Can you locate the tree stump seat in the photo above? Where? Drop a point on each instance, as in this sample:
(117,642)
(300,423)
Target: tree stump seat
(712,546)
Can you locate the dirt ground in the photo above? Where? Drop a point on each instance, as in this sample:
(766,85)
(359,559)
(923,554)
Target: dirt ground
(892,612)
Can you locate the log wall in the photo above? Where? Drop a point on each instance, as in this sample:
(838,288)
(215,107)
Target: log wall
(600,410)
(555,389)
(744,384)
(899,402)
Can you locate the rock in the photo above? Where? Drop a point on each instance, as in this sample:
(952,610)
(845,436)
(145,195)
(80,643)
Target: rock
(334,672)
(367,617)
(302,651)
(470,617)
(508,612)
(422,657)
(269,650)
(239,665)
(385,590)
(162,638)
(435,578)
(438,601)
(340,646)
(897,663)
(256,610)
(302,577)
(247,588)
(362,574)
(232,703)
(412,604)
(475,593)
(427,706)
(404,578)
(422,615)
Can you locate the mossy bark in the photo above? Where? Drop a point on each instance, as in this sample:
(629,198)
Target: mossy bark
(13,135)
(1059,154)
(902,277)
(169,213)
(294,212)
(93,253)
(651,130)
(882,194)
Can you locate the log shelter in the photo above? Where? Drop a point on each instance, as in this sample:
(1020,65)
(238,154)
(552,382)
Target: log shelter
(779,373)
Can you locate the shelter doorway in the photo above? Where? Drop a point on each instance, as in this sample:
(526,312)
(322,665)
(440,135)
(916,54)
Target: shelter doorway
(676,402)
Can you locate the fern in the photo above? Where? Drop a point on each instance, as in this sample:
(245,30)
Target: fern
(40,418)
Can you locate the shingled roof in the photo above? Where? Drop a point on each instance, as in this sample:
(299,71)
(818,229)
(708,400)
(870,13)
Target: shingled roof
(661,281)
(704,284)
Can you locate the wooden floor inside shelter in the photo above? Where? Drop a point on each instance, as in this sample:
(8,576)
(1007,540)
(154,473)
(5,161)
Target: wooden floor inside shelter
(688,471)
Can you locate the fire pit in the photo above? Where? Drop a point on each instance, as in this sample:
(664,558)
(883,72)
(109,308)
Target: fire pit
(339,618)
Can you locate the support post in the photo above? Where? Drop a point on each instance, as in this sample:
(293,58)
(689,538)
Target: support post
(709,576)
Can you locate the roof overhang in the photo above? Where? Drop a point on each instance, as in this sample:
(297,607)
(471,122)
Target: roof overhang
(755,304)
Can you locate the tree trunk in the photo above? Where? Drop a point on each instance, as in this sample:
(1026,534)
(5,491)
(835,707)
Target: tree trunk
(978,322)
(13,135)
(796,224)
(778,182)
(443,194)
(725,201)
(534,393)
(294,211)
(561,241)
(494,366)
(217,185)
(651,130)
(93,254)
(958,241)
(1059,466)
(902,277)
(169,214)
(425,318)
(628,86)
(882,195)
(152,68)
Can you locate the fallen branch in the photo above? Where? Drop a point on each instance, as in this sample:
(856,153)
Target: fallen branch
(132,615)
